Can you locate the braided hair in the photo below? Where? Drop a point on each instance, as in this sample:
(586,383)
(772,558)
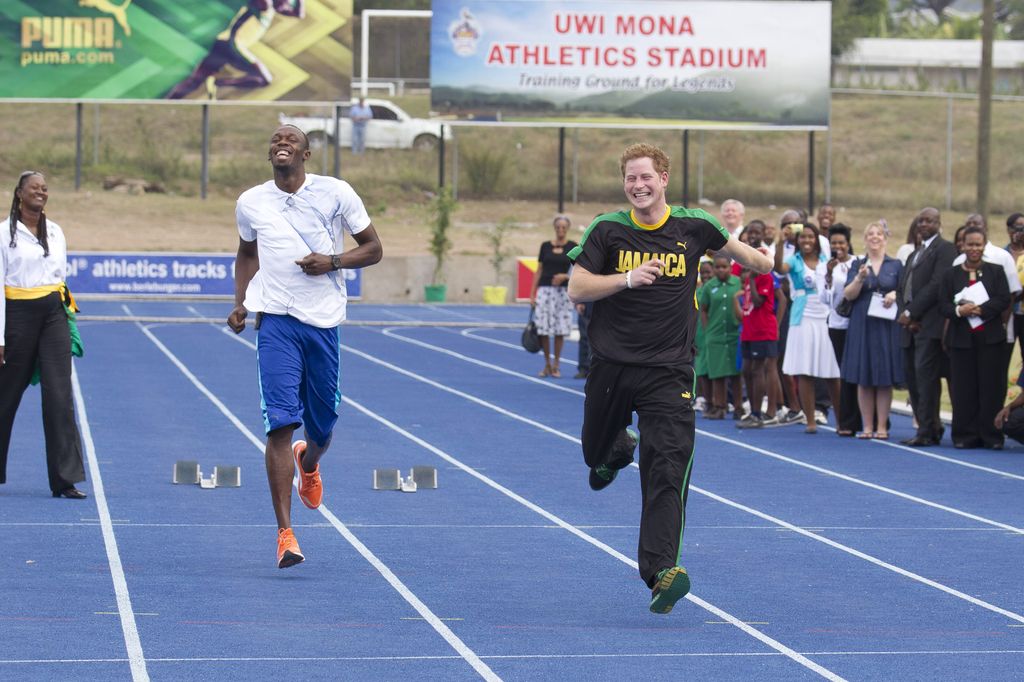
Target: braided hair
(15,215)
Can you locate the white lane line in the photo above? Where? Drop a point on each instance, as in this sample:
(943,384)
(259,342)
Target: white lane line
(779,522)
(899,446)
(866,484)
(133,645)
(778,646)
(470,333)
(456,313)
(942,458)
(731,441)
(862,555)
(446,633)
(390,331)
(456,526)
(694,654)
(753,632)
(462,394)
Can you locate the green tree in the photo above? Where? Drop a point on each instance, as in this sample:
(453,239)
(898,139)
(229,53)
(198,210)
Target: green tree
(1010,13)
(853,19)
(937,7)
(441,208)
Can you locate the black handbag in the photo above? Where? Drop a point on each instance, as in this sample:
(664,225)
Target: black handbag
(845,306)
(530,339)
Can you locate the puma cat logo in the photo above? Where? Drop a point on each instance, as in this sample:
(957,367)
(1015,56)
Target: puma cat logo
(119,12)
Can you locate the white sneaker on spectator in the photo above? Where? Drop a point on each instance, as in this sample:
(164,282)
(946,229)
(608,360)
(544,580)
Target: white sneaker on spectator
(820,418)
(770,421)
(749,422)
(793,417)
(699,404)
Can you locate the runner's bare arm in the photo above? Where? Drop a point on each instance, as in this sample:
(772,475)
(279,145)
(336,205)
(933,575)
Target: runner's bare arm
(585,286)
(747,256)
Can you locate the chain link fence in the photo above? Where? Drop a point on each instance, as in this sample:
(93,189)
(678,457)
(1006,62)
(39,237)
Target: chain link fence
(884,149)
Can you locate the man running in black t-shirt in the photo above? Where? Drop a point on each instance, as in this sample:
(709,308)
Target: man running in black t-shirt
(640,269)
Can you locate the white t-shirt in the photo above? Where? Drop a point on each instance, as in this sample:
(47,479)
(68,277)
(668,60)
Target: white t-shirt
(903,253)
(288,227)
(24,266)
(831,296)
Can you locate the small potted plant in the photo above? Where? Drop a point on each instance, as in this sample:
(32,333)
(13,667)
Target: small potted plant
(495,294)
(441,208)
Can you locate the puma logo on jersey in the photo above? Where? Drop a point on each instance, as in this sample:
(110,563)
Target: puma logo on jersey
(686,395)
(682,244)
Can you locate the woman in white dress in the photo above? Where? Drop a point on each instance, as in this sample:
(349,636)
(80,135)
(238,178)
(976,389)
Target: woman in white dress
(809,353)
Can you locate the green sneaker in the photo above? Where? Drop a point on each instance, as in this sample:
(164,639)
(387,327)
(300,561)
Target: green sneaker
(673,584)
(620,457)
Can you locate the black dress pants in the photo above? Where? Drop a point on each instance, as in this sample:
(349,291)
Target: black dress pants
(924,363)
(848,414)
(976,374)
(663,400)
(37,333)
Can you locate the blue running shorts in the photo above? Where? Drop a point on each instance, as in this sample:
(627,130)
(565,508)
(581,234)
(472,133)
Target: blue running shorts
(300,376)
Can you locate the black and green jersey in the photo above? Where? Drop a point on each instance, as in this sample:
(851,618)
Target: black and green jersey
(653,325)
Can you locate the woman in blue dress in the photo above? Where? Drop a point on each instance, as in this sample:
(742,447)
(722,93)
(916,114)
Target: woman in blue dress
(872,357)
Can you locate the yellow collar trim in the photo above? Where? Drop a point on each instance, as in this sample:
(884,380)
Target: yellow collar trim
(642,226)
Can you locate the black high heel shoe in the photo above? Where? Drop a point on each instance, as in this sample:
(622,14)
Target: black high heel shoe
(71,492)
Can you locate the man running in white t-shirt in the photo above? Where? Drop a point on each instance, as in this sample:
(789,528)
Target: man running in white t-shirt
(287,271)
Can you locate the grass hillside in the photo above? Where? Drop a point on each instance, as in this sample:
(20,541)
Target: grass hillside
(888,160)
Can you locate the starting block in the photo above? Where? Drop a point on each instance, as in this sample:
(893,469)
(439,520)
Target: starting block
(227,476)
(387,479)
(420,477)
(186,471)
(424,477)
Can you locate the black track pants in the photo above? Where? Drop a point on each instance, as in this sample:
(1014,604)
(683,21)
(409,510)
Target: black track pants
(662,397)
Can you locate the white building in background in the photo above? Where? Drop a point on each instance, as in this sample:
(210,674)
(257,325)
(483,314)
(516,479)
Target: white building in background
(935,65)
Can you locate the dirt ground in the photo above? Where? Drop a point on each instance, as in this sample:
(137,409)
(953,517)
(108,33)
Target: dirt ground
(98,220)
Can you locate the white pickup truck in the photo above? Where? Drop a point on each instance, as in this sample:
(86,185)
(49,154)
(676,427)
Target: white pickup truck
(390,128)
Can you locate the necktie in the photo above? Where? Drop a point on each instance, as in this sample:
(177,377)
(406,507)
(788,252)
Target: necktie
(908,290)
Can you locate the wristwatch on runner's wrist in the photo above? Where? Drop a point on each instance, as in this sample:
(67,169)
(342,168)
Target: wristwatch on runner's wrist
(336,261)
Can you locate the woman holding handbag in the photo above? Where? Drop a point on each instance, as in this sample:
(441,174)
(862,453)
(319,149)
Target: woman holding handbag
(831,282)
(549,296)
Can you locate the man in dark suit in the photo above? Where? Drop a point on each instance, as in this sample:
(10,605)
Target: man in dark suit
(921,338)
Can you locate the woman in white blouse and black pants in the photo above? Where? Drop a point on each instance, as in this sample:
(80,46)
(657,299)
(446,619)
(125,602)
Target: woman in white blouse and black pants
(832,280)
(34,333)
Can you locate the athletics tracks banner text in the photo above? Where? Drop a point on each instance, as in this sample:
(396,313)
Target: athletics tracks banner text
(730,64)
(169,49)
(164,274)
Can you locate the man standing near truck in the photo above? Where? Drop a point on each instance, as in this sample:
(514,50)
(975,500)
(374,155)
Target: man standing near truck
(360,114)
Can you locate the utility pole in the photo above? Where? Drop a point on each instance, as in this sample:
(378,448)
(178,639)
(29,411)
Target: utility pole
(985,104)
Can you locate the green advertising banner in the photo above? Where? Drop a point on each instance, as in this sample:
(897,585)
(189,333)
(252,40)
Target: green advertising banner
(173,49)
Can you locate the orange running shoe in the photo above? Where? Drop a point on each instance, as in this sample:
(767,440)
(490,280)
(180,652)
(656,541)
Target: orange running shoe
(311,489)
(288,552)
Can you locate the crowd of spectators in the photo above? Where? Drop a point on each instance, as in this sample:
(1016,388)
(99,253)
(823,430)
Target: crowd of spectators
(832,330)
